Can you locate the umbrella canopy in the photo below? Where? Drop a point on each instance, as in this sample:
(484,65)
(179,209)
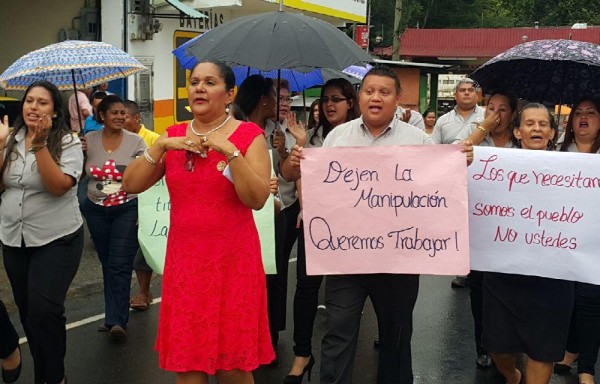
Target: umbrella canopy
(277,40)
(83,64)
(299,81)
(544,70)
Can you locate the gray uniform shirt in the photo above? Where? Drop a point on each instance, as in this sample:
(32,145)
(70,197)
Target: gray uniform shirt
(287,189)
(487,140)
(451,124)
(355,134)
(415,118)
(28,211)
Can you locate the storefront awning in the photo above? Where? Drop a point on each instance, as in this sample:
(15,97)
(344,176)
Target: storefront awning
(191,12)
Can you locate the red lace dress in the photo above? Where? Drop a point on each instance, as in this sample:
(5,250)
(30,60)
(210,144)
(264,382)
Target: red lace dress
(213,314)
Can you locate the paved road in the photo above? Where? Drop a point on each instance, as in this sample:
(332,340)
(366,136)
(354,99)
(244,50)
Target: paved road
(443,351)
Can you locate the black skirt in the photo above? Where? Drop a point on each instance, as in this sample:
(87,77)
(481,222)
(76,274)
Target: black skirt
(526,314)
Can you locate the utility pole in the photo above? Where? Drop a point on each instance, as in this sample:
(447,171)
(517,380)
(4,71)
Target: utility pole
(396,37)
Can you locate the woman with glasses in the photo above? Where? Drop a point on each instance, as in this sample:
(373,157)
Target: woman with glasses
(582,134)
(338,105)
(111,213)
(213,315)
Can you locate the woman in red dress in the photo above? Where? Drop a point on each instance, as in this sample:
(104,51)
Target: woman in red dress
(213,315)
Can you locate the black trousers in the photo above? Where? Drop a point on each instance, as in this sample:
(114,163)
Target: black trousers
(40,278)
(306,301)
(286,234)
(587,327)
(476,293)
(393,298)
(9,340)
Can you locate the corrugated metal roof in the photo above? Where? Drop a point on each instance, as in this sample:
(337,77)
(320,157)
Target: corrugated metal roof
(484,42)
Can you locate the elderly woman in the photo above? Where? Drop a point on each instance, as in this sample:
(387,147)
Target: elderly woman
(41,228)
(111,213)
(527,314)
(582,134)
(213,315)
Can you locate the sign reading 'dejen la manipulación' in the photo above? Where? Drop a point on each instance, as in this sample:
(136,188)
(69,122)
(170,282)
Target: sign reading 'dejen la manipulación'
(535,213)
(400,209)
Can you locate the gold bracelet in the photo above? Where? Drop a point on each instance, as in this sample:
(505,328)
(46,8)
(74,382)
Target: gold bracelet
(481,128)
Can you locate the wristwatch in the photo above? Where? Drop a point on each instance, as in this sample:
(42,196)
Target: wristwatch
(235,154)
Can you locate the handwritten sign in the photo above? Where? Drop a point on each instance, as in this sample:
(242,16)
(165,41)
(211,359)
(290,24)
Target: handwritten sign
(154,207)
(535,213)
(385,210)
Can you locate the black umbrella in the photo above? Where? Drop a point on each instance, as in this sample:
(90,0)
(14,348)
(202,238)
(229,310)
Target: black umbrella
(278,40)
(557,71)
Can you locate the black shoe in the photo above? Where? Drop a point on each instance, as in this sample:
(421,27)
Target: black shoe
(292,379)
(376,344)
(460,282)
(483,361)
(561,368)
(12,375)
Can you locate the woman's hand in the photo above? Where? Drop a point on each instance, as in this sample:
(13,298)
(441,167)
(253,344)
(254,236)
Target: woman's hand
(181,143)
(274,185)
(4,131)
(491,122)
(218,143)
(41,130)
(296,156)
(297,129)
(468,150)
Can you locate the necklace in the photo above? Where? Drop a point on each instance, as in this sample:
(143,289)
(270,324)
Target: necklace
(211,131)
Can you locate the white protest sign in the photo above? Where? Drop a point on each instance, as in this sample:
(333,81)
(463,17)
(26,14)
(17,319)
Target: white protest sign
(535,213)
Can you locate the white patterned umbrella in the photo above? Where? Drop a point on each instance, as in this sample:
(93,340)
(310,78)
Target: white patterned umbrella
(71,64)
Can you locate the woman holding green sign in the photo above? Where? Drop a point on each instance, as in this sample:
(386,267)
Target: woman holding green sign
(213,315)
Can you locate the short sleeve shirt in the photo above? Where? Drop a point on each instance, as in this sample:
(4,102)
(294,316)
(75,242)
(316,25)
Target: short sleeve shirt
(451,124)
(84,103)
(28,212)
(355,134)
(106,169)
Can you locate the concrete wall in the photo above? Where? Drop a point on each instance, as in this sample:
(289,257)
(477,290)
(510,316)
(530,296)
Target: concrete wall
(29,25)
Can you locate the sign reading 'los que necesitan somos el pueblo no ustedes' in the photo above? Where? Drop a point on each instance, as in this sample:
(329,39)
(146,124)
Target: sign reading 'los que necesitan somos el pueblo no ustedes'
(535,213)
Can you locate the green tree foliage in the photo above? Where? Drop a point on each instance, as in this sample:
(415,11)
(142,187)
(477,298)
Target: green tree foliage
(480,14)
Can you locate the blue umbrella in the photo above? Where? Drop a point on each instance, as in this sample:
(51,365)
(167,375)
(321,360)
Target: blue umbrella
(70,64)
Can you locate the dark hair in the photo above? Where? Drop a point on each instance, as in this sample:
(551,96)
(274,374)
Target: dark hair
(570,135)
(106,103)
(383,71)
(551,119)
(236,112)
(224,70)
(283,83)
(312,122)
(99,95)
(57,132)
(132,106)
(349,93)
(250,91)
(427,112)
(512,98)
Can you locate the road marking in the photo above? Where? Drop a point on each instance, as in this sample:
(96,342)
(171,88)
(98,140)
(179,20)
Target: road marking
(88,320)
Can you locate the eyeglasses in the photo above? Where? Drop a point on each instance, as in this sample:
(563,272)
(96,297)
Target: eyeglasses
(285,99)
(333,99)
(190,161)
